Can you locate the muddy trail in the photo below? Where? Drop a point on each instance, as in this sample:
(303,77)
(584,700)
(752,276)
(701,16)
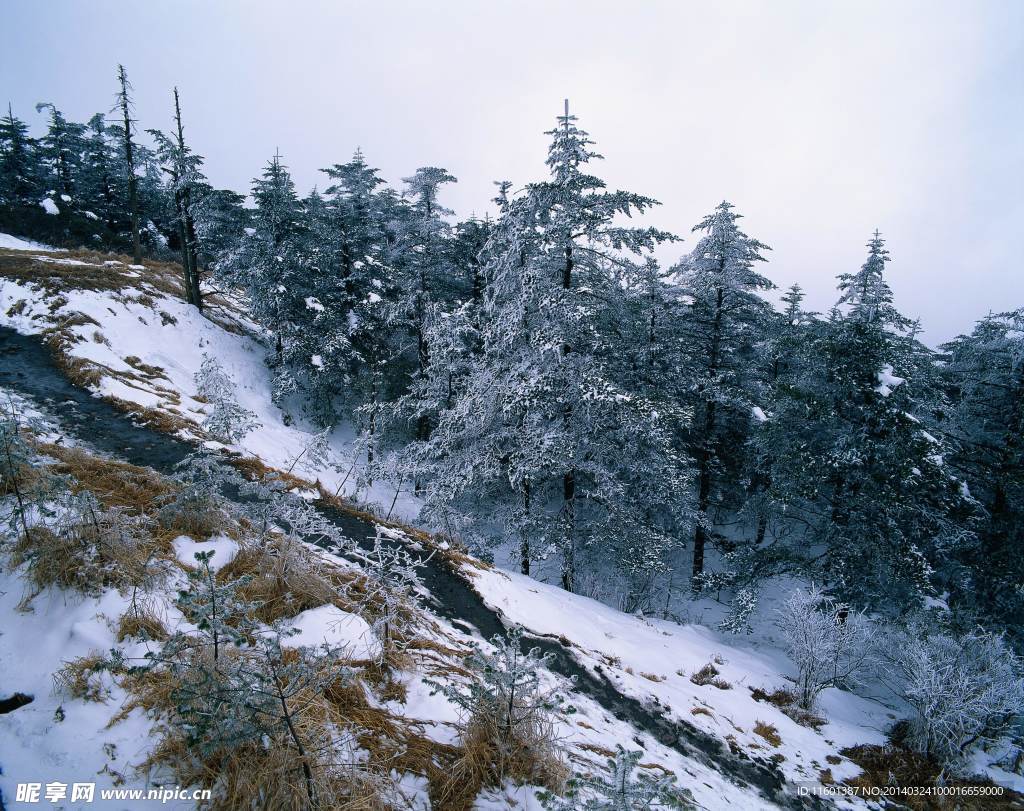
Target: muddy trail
(27,368)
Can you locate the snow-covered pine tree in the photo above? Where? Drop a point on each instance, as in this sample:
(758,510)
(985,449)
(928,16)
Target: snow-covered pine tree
(99,194)
(126,134)
(271,265)
(19,181)
(867,294)
(627,788)
(235,687)
(357,239)
(727,319)
(185,181)
(507,706)
(986,373)
(541,437)
(859,439)
(226,419)
(420,292)
(60,154)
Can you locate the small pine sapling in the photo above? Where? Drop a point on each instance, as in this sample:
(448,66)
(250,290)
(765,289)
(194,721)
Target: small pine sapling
(236,687)
(199,504)
(625,789)
(510,712)
(743,605)
(315,455)
(216,609)
(391,591)
(226,420)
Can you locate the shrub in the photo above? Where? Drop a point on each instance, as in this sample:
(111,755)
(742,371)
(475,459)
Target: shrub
(624,790)
(965,691)
(828,644)
(709,674)
(226,420)
(509,729)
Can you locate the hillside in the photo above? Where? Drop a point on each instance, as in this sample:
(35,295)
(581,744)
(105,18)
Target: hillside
(122,333)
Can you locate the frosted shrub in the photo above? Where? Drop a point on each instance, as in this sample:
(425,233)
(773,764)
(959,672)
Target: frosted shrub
(226,420)
(509,714)
(964,691)
(829,645)
(626,789)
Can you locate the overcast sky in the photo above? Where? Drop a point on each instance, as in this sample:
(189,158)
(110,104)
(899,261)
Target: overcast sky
(819,120)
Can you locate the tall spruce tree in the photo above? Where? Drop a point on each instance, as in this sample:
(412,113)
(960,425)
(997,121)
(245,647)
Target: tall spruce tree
(986,373)
(726,319)
(860,446)
(541,437)
(19,177)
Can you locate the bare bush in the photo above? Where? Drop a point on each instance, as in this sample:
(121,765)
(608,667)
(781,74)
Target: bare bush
(829,644)
(965,691)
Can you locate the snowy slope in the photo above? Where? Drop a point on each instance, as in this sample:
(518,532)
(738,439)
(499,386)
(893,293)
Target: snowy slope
(150,344)
(144,346)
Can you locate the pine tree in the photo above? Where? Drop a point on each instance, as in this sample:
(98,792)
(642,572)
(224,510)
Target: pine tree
(625,789)
(506,704)
(858,440)
(182,167)
(99,192)
(986,373)
(20,190)
(540,436)
(867,292)
(60,152)
(226,419)
(271,265)
(726,319)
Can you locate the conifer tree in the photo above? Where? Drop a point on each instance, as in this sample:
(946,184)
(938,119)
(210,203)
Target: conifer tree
(726,319)
(182,167)
(19,176)
(540,426)
(858,440)
(61,153)
(986,374)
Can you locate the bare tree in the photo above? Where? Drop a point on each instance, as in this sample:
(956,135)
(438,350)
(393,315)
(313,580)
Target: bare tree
(124,102)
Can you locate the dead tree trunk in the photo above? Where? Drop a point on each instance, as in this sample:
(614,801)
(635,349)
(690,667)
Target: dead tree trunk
(125,102)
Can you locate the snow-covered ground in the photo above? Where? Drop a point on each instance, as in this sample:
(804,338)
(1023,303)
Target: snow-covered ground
(148,353)
(653,660)
(147,347)
(13,243)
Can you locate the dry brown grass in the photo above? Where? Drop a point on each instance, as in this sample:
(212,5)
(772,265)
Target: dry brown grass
(117,545)
(893,764)
(142,621)
(709,674)
(270,776)
(532,759)
(788,702)
(81,678)
(768,732)
(115,484)
(285,578)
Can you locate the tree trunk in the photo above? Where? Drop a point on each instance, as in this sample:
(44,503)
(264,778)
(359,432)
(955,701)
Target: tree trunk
(703,494)
(129,156)
(569,544)
(524,541)
(705,454)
